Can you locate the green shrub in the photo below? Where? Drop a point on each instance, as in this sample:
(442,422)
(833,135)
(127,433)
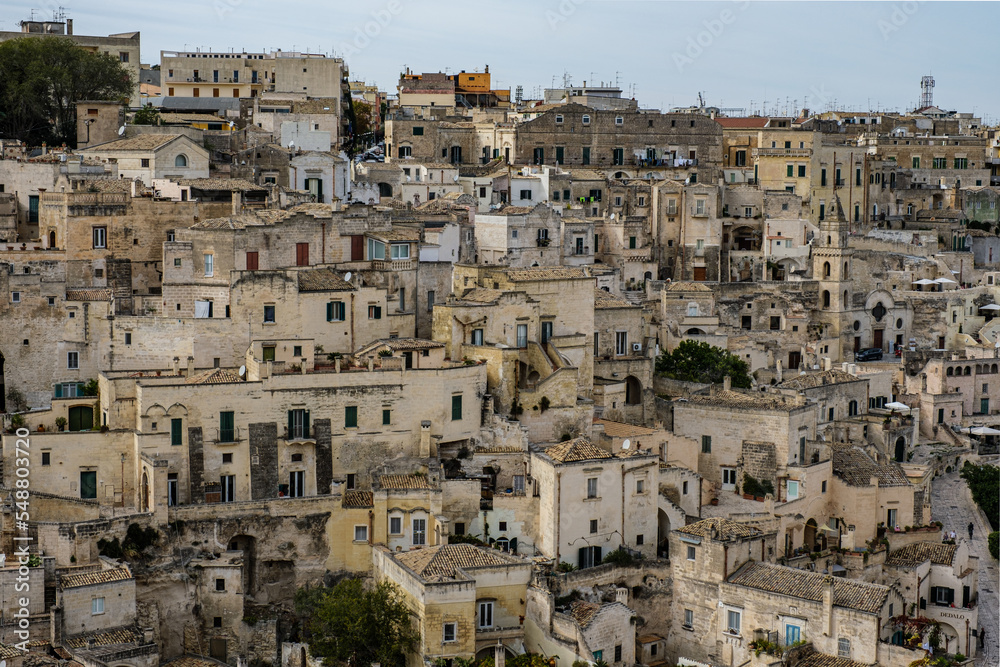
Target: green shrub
(618,557)
(994,543)
(984,483)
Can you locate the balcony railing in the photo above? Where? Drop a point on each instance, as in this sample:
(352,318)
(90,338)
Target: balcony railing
(392,264)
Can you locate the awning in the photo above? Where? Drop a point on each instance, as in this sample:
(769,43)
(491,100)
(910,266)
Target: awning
(943,281)
(990,306)
(924,281)
(984,430)
(895,405)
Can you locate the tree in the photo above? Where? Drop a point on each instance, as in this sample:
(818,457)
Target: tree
(148,115)
(42,79)
(993,542)
(984,483)
(694,361)
(351,623)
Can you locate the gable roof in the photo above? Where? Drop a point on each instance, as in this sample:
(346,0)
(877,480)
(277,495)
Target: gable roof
(921,552)
(213,376)
(578,449)
(323,280)
(107,576)
(856,468)
(401,482)
(724,529)
(791,582)
(441,562)
(584,612)
(607,300)
(140,142)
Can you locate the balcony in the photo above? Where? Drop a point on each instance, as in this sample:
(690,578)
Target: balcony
(782,152)
(543,243)
(392,264)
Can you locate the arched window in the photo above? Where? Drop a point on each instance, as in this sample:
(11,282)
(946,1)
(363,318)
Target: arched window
(826,269)
(826,298)
(844,276)
(968,371)
(844,304)
(181,160)
(633,391)
(384,190)
(951,371)
(993,368)
(852,408)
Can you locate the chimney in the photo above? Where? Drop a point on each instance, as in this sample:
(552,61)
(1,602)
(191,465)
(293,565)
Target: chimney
(425,438)
(621,595)
(727,383)
(828,605)
(69,26)
(190,366)
(827,364)
(777,366)
(177,365)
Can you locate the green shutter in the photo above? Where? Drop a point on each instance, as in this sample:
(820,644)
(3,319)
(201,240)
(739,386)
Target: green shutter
(58,391)
(386,417)
(329,311)
(291,422)
(176,435)
(305,424)
(456,407)
(351,416)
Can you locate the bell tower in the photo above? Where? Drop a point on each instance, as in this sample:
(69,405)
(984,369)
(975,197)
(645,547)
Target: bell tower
(831,263)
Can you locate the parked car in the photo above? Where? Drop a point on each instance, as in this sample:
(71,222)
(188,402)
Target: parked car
(870,354)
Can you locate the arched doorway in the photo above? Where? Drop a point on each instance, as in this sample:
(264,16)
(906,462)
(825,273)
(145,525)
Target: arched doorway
(809,535)
(900,448)
(52,239)
(384,190)
(633,391)
(144,498)
(663,534)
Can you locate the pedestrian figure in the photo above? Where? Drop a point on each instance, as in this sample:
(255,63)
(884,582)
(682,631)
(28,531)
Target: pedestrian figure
(970,530)
(982,637)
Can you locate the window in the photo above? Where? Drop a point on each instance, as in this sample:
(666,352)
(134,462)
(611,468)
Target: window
(585,119)
(621,343)
(618,156)
(699,207)
(691,553)
(789,170)
(351,481)
(522,335)
(227,429)
(298,424)
(593,526)
(793,633)
(100,237)
(729,478)
(619,120)
(15,297)
(586,155)
(450,633)
(689,618)
(639,540)
(419,531)
(386,416)
(843,647)
(405,151)
(351,416)
(144,162)
(775,323)
(269,314)
(181,160)
(592,487)
(891,519)
(395,525)
(618,652)
(227,458)
(485,619)
(374,312)
(46,458)
(793,489)
(209,265)
(301,254)
(706,444)
(430,301)
(733,621)
(456,407)
(376,249)
(217,622)
(640,486)
(96,606)
(477,336)
(73,360)
(336,311)
(525,194)
(228,484)
(418,131)
(559,119)
(32,209)
(176,433)
(361,533)
(88,483)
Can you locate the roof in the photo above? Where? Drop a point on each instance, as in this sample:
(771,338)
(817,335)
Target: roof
(607,300)
(107,638)
(683,286)
(621,430)
(193,661)
(811,380)
(856,468)
(514,210)
(824,660)
(578,449)
(397,234)
(401,482)
(747,123)
(7,651)
(174,117)
(723,529)
(140,142)
(791,582)
(921,552)
(88,295)
(441,562)
(322,280)
(107,576)
(213,376)
(750,400)
(399,344)
(584,612)
(222,184)
(358,499)
(482,295)
(554,273)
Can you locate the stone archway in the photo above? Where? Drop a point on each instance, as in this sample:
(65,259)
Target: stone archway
(663,534)
(809,535)
(633,391)
(900,449)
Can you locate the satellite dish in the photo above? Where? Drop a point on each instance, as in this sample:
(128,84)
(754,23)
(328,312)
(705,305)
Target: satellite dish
(612,216)
(456,178)
(626,444)
(291,144)
(243,371)
(231,125)
(121,130)
(347,276)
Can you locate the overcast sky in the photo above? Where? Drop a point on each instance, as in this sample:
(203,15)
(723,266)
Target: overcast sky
(853,55)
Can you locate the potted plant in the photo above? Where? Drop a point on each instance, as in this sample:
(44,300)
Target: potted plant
(16,422)
(61,423)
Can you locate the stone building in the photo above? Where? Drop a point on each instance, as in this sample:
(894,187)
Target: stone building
(154,156)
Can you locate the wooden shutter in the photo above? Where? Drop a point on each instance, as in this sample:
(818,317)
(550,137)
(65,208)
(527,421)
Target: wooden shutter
(252,260)
(302,254)
(357,248)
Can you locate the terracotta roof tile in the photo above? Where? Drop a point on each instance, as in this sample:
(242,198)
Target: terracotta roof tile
(441,562)
(106,638)
(322,280)
(88,295)
(213,376)
(724,529)
(358,499)
(398,344)
(920,552)
(620,430)
(603,300)
(810,380)
(482,295)
(583,612)
(397,234)
(140,142)
(222,184)
(401,482)
(749,400)
(578,449)
(824,660)
(790,582)
(107,576)
(555,273)
(193,661)
(856,468)
(7,651)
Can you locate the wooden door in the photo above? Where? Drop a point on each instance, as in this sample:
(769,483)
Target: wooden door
(357,248)
(877,339)
(700,273)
